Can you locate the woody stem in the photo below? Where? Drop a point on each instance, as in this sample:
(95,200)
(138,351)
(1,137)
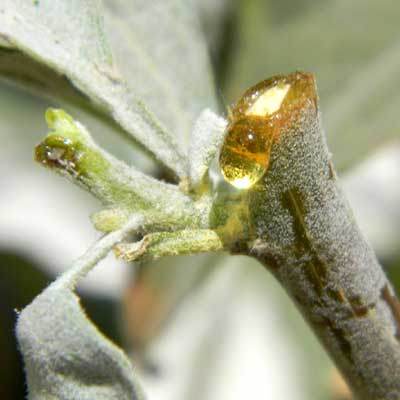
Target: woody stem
(306,235)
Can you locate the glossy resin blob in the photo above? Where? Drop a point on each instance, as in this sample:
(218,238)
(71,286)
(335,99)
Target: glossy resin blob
(257,122)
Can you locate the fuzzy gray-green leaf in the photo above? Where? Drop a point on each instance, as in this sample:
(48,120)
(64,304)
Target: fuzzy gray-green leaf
(160,49)
(66,357)
(63,43)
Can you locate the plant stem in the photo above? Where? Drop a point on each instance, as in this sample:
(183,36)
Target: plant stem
(95,254)
(305,233)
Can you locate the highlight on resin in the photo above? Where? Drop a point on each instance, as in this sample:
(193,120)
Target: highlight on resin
(257,122)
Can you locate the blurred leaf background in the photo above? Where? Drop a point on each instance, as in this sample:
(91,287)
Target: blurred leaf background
(209,327)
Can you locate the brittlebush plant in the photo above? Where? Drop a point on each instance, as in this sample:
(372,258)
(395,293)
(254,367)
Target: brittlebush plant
(285,209)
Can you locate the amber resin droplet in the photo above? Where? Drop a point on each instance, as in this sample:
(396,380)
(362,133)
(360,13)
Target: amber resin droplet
(257,122)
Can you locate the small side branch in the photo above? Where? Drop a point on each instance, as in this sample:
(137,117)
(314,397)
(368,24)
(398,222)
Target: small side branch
(70,151)
(207,136)
(161,244)
(95,254)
